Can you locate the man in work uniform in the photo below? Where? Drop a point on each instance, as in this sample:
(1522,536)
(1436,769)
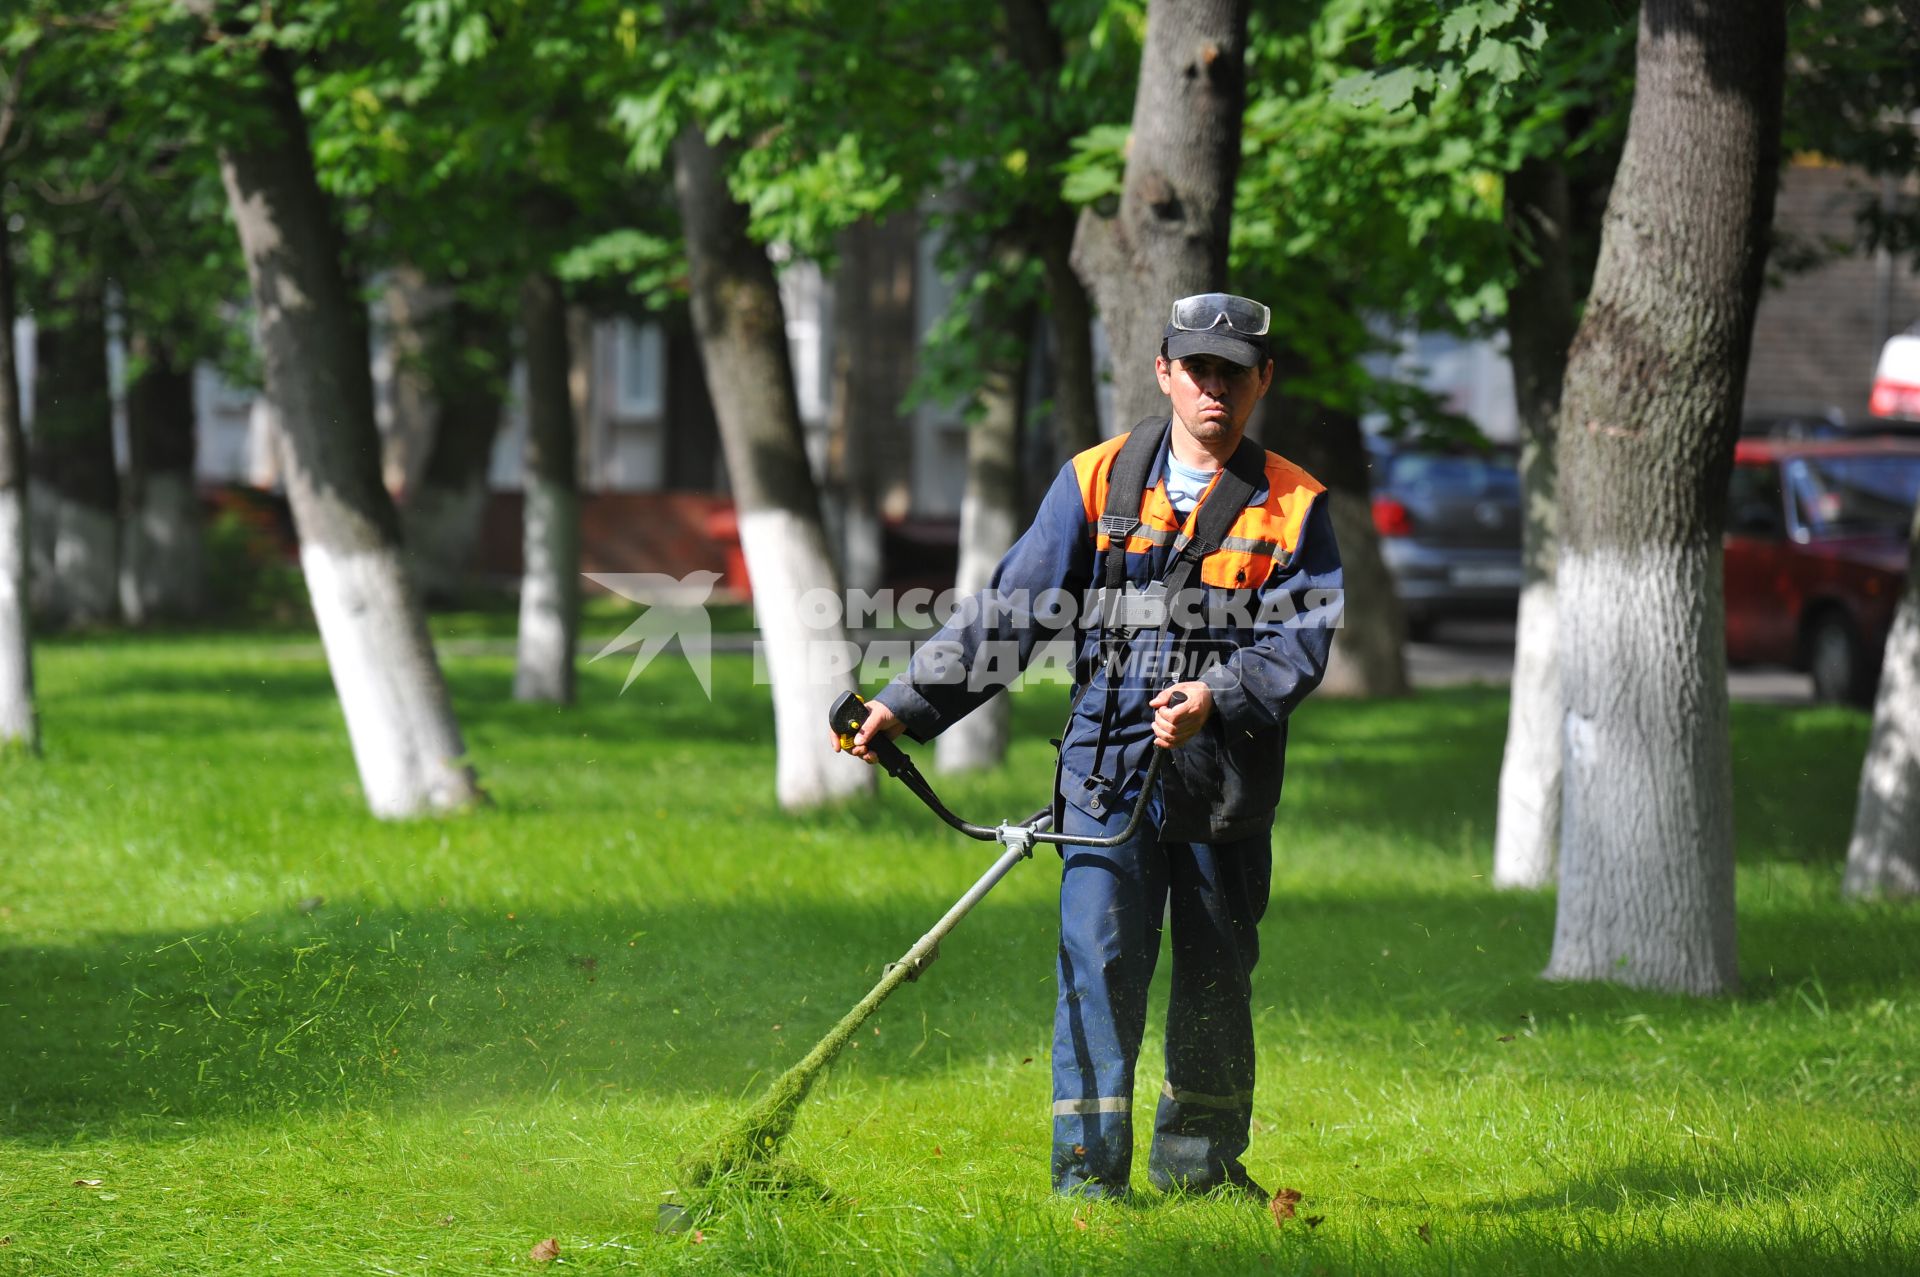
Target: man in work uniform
(1244,641)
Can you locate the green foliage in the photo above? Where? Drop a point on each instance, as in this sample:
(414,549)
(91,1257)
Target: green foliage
(1362,214)
(1421,53)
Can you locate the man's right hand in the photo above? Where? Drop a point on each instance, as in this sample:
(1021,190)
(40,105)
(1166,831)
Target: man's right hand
(880,722)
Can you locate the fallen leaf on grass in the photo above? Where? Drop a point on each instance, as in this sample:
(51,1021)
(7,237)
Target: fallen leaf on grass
(1314,1221)
(778,1027)
(1425,1232)
(697,1237)
(88,1183)
(6,1241)
(446,1221)
(545,1251)
(937,1152)
(1504,1037)
(1079,1223)
(1028,1060)
(1282,1206)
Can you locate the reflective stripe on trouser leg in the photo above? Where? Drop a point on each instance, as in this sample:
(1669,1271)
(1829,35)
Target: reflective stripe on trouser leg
(1111,900)
(1217,894)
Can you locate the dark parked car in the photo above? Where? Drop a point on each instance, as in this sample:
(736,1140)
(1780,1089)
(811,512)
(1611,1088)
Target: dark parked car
(1449,524)
(1816,555)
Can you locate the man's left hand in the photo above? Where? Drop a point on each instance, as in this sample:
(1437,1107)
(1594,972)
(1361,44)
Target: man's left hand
(1175,725)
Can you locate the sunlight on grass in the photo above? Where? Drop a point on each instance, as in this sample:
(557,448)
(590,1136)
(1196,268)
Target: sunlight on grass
(285,1037)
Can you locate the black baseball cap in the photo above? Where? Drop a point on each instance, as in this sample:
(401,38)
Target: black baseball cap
(1248,352)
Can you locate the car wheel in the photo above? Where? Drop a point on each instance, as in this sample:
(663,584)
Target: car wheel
(1833,658)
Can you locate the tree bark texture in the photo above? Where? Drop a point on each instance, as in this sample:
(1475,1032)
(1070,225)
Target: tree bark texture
(468,355)
(75,493)
(989,523)
(1168,238)
(19,727)
(313,342)
(414,312)
(1369,650)
(1651,411)
(873,356)
(1883,856)
(1540,321)
(1076,414)
(550,584)
(161,547)
(741,327)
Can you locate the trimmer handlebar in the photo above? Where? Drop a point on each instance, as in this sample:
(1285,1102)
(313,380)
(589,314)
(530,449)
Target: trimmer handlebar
(849,715)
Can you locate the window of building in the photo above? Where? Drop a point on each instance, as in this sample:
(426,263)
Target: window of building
(639,364)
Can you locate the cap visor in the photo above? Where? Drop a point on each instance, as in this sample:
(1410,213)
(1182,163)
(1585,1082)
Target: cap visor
(1227,345)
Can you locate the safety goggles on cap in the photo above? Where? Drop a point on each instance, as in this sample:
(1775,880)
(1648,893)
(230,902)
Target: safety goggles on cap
(1204,312)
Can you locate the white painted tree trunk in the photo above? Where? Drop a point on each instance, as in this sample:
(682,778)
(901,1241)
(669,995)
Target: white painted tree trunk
(313,341)
(1651,408)
(1526,839)
(550,536)
(19,728)
(549,592)
(743,348)
(1540,326)
(161,569)
(1883,856)
(17,724)
(990,507)
(807,655)
(405,744)
(1649,780)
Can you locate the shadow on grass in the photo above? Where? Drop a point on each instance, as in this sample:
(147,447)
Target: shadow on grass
(349,1007)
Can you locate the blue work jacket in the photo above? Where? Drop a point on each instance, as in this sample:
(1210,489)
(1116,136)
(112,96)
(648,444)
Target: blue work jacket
(1259,625)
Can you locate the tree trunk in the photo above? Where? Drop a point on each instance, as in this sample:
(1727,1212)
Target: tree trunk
(1883,856)
(1076,415)
(873,353)
(161,561)
(989,523)
(550,584)
(75,497)
(19,729)
(1169,237)
(1540,319)
(1170,233)
(313,342)
(1369,650)
(414,322)
(1652,406)
(468,359)
(743,345)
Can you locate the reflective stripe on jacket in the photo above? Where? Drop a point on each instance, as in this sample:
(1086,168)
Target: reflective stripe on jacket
(1271,597)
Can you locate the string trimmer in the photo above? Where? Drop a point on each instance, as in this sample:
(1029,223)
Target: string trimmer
(754,1139)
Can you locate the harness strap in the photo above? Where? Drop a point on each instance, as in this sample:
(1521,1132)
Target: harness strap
(1126,490)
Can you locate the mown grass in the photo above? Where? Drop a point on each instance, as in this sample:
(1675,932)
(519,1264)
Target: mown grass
(285,1037)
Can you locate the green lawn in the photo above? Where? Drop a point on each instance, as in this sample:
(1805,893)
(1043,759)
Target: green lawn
(285,1038)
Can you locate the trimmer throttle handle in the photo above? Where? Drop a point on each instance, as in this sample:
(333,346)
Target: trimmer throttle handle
(848,716)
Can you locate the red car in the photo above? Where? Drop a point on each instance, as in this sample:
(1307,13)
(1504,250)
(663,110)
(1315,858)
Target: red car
(1816,555)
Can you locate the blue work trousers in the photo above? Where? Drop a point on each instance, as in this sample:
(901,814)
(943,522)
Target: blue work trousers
(1111,904)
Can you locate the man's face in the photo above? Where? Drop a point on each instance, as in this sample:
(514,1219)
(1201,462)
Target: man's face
(1212,397)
